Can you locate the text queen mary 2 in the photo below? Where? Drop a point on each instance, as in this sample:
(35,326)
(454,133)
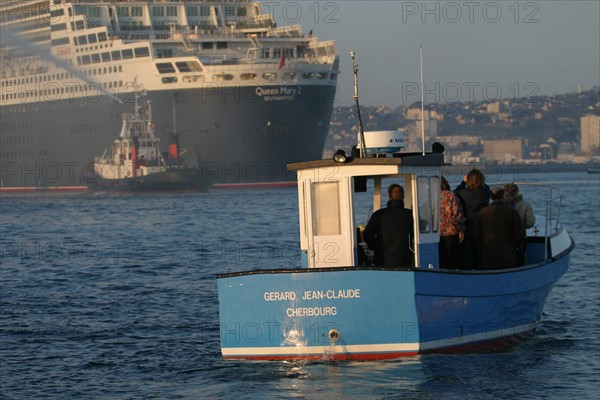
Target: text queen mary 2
(244,96)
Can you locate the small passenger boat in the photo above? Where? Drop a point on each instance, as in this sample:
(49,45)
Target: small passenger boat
(338,304)
(136,163)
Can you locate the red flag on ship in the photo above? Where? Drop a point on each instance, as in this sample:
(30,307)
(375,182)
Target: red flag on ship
(281,61)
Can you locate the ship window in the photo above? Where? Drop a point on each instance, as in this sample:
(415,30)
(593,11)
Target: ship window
(188,66)
(229,11)
(142,52)
(222,77)
(60,41)
(207,45)
(269,76)
(92,38)
(321,75)
(333,76)
(106,57)
(307,75)
(171,11)
(158,11)
(57,13)
(86,60)
(290,76)
(248,77)
(127,54)
(326,208)
(102,37)
(192,11)
(193,78)
(169,79)
(116,55)
(165,68)
(221,45)
(79,25)
(241,12)
(95,58)
(58,27)
(82,40)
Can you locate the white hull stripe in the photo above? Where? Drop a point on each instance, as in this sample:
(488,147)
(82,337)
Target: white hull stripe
(311,350)
(376,348)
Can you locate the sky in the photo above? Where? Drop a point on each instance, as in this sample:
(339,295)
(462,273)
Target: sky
(472,50)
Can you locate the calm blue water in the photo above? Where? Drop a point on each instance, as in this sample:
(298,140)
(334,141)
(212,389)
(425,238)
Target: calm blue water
(110,297)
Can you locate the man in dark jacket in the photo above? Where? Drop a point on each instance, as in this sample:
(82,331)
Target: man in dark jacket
(389,232)
(499,231)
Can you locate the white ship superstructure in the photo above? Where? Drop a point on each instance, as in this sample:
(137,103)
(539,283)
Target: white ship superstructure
(246,96)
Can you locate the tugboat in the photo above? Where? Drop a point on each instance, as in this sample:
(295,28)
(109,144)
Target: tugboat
(136,163)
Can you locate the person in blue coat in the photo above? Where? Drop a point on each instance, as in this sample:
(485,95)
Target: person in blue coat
(389,232)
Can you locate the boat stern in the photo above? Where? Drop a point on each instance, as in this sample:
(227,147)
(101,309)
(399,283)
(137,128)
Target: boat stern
(318,314)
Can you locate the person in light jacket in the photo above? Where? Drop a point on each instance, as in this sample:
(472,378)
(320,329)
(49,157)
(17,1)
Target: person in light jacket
(515,199)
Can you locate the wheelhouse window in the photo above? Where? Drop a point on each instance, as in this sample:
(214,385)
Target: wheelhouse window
(428,196)
(326,208)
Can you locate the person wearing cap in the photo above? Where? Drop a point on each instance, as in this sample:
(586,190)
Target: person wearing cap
(515,199)
(389,231)
(499,233)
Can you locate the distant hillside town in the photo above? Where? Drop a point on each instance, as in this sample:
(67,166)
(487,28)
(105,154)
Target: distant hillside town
(533,130)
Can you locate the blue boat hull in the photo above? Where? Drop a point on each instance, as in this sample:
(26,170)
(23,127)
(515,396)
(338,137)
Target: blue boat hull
(369,313)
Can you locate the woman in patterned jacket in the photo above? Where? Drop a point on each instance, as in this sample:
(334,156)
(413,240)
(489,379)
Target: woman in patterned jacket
(452,228)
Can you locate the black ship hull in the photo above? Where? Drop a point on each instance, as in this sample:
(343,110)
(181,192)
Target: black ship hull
(173,180)
(232,135)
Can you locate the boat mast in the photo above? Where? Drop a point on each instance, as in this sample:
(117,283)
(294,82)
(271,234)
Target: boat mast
(361,132)
(422,105)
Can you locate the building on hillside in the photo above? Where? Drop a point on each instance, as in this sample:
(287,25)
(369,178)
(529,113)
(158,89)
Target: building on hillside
(590,134)
(415,114)
(502,151)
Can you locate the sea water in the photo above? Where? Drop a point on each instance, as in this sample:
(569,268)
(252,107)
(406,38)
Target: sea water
(115,297)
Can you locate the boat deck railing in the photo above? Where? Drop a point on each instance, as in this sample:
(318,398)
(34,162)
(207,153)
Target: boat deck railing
(551,197)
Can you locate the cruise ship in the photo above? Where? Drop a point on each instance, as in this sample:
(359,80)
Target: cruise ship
(244,95)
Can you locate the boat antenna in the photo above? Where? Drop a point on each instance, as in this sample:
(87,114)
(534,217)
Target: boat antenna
(422,105)
(361,132)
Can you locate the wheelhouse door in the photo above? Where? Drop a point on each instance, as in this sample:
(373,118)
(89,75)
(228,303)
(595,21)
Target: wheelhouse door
(329,220)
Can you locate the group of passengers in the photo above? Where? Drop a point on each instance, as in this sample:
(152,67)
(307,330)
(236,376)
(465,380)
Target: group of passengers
(480,228)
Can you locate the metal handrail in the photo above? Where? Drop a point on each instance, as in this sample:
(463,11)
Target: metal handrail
(551,199)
